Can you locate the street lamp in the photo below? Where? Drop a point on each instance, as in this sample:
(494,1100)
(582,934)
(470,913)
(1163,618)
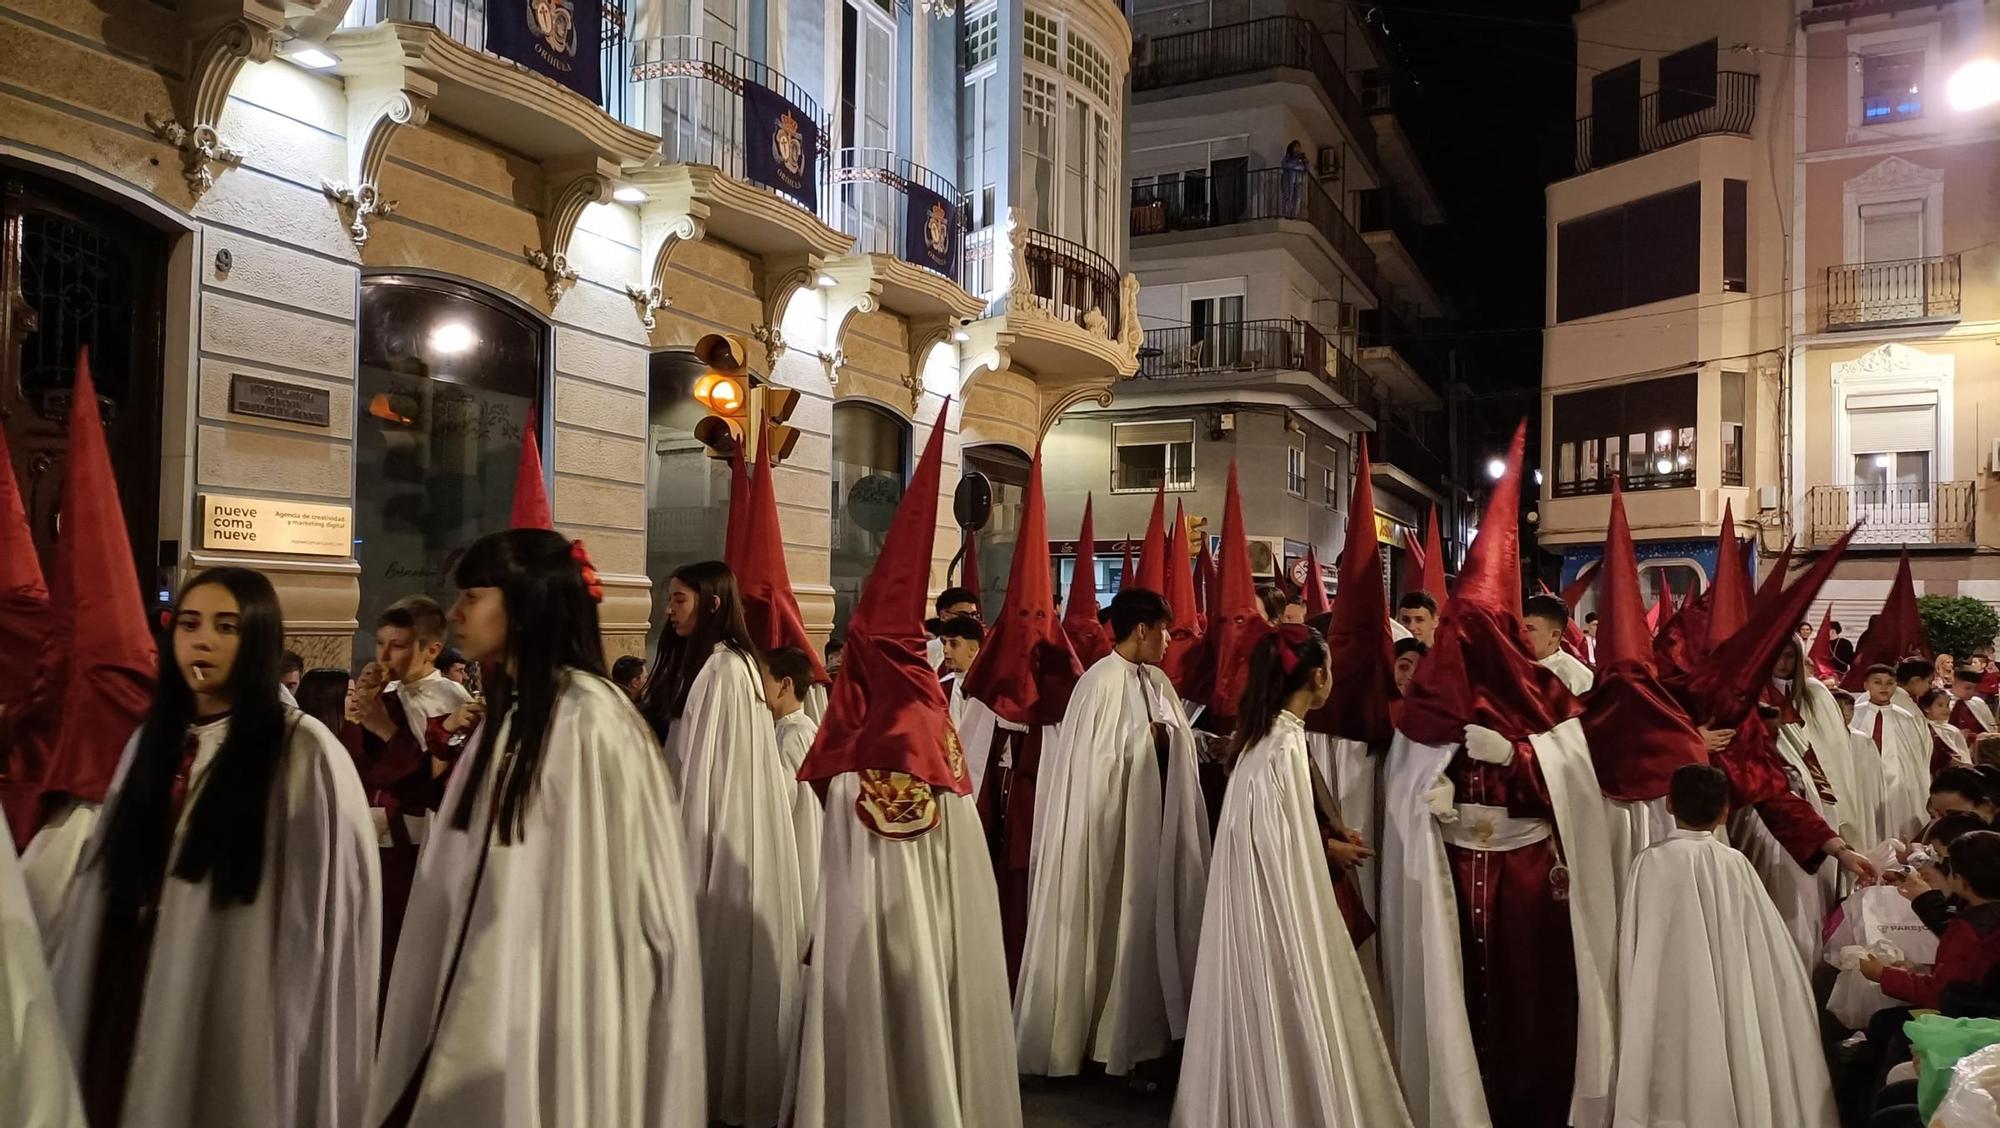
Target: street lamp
(1495,467)
(1974,86)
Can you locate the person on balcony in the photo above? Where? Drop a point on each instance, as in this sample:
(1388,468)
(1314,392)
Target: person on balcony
(1294,179)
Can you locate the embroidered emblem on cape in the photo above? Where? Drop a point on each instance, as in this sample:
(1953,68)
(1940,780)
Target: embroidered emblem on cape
(954,752)
(895,805)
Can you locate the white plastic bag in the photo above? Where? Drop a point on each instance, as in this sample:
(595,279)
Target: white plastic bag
(1874,919)
(1973,1101)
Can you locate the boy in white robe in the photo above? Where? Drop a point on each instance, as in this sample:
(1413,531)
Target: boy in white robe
(1903,741)
(1543,620)
(961,636)
(1718,1023)
(787,676)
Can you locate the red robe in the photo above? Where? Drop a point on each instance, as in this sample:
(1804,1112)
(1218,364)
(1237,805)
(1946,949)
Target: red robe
(1965,722)
(1007,810)
(396,773)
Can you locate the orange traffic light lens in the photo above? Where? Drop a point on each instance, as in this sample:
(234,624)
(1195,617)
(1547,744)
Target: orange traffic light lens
(719,393)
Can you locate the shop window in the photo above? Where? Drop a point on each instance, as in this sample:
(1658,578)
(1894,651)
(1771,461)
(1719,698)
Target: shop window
(448,375)
(870,465)
(1146,456)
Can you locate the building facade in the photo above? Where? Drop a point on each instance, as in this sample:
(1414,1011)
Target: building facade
(332,259)
(1667,282)
(1279,217)
(1896,400)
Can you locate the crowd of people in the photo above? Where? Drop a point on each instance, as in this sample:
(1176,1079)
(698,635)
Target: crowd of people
(1307,860)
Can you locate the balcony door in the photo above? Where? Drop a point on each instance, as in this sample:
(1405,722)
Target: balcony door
(1893,443)
(702,118)
(1215,327)
(867,116)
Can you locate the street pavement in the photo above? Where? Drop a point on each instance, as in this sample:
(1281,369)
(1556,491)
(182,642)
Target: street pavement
(1091,1102)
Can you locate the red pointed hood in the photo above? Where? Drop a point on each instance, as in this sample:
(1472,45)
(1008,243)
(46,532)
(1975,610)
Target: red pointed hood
(1895,634)
(739,511)
(1479,670)
(1080,623)
(1153,552)
(1126,576)
(1727,687)
(1729,596)
(1186,629)
(769,607)
(1207,582)
(1681,641)
(887,711)
(1357,631)
(24,595)
(1027,669)
(1775,582)
(1317,603)
(1235,623)
(1821,654)
(1636,733)
(112,663)
(1434,560)
(531,494)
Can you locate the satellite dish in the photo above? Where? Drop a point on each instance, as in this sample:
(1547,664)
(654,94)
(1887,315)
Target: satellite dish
(972,502)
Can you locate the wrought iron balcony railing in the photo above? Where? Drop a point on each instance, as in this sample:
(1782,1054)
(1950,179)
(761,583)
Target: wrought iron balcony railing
(1251,47)
(1668,117)
(1068,279)
(690,91)
(1870,294)
(1940,513)
(467,22)
(869,194)
(1269,345)
(1198,201)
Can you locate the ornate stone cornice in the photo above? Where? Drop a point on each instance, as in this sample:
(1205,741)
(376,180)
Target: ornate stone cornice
(779,281)
(374,115)
(1063,401)
(571,187)
(924,337)
(247,38)
(664,227)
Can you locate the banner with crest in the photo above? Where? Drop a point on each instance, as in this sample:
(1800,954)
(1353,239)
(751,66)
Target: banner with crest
(930,230)
(558,38)
(780,145)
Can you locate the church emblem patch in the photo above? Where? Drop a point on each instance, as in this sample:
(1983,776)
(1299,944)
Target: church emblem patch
(896,805)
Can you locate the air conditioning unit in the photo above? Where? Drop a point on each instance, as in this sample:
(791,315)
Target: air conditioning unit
(1329,162)
(1767,498)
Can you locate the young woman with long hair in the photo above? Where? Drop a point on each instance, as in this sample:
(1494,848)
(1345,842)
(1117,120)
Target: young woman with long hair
(324,695)
(1282,1029)
(706,695)
(214,956)
(545,977)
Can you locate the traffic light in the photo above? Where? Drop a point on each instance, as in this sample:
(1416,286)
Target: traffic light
(724,389)
(770,406)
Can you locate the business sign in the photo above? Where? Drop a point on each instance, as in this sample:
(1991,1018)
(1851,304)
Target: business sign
(276,399)
(1390,531)
(558,38)
(262,524)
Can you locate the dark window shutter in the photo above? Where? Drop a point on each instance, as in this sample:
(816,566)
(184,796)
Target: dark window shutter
(1736,236)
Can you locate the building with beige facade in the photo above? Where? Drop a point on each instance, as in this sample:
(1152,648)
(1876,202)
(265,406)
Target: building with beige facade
(332,258)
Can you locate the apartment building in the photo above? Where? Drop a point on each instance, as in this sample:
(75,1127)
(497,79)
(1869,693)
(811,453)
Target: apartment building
(1281,220)
(332,260)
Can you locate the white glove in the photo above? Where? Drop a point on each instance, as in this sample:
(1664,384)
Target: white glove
(1487,746)
(1442,799)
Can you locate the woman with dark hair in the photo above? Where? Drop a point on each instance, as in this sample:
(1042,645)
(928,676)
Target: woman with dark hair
(706,696)
(1948,741)
(323,696)
(545,977)
(215,957)
(1281,1029)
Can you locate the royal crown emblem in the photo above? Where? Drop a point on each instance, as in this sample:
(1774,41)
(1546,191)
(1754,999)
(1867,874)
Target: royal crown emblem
(788,146)
(937,231)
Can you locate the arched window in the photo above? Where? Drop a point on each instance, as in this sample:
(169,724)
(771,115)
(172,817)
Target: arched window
(1006,469)
(447,377)
(871,461)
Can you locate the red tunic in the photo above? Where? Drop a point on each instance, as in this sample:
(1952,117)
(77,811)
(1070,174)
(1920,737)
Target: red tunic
(1514,939)
(397,775)
(1007,810)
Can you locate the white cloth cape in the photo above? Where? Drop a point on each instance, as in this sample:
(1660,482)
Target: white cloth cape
(48,865)
(1857,791)
(37,1081)
(251,1015)
(1282,1030)
(1118,871)
(906,1017)
(795,738)
(577,1002)
(1906,764)
(1574,674)
(1954,740)
(432,695)
(1981,713)
(750,903)
(1356,780)
(1719,1026)
(1420,929)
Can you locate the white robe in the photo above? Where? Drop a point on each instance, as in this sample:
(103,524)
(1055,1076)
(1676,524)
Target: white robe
(1906,765)
(577,1002)
(1574,674)
(37,1081)
(1282,1030)
(750,901)
(251,1015)
(1954,740)
(1420,930)
(906,1018)
(1356,779)
(795,738)
(48,865)
(1981,713)
(1857,786)
(1118,870)
(1719,1027)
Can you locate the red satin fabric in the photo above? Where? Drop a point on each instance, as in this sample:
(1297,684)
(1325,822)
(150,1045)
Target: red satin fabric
(1636,733)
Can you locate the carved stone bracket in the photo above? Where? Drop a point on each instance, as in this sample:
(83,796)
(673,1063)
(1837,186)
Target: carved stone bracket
(855,290)
(664,227)
(571,188)
(1131,335)
(778,283)
(193,129)
(1099,393)
(374,115)
(925,336)
(833,360)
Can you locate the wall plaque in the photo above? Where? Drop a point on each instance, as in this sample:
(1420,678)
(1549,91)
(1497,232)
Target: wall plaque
(275,399)
(262,524)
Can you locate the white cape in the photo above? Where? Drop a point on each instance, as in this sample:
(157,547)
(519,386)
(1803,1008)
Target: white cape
(796,732)
(1282,1030)
(1420,929)
(577,1002)
(1118,871)
(906,1019)
(252,1015)
(750,907)
(1906,765)
(1954,740)
(48,865)
(1574,674)
(1356,780)
(1720,1029)
(1857,789)
(37,1082)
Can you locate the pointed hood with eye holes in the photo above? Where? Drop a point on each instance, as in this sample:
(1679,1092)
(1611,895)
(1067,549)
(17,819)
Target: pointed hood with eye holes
(1895,634)
(770,609)
(1026,669)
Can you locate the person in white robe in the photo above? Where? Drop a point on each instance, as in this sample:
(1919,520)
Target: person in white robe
(1719,1026)
(549,974)
(1282,1029)
(1936,706)
(214,960)
(1969,711)
(1543,620)
(906,1021)
(1119,863)
(37,1081)
(787,674)
(737,802)
(1903,741)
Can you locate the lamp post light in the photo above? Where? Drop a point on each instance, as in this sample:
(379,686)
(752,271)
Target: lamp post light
(1974,86)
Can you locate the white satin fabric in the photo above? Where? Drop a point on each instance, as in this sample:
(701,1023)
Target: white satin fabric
(48,865)
(796,732)
(1574,674)
(37,1081)
(1906,764)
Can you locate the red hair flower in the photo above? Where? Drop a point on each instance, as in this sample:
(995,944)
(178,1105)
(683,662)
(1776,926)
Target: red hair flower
(589,570)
